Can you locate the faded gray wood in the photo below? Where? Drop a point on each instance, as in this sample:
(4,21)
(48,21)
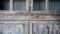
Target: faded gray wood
(21,25)
(31,19)
(50,27)
(28,17)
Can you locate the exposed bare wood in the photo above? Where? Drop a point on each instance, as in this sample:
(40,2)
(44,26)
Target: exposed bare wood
(31,3)
(11,5)
(47,5)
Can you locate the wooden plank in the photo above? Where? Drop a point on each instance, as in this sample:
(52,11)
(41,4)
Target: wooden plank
(47,5)
(20,27)
(11,5)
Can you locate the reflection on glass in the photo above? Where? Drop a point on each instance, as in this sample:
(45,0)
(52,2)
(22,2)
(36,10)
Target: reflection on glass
(19,5)
(38,4)
(54,4)
(4,4)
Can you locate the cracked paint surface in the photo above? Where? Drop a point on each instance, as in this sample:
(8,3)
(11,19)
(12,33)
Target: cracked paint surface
(11,29)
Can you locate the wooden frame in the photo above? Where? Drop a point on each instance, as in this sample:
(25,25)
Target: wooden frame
(29,5)
(18,11)
(53,11)
(22,24)
(46,11)
(50,24)
(27,8)
(38,22)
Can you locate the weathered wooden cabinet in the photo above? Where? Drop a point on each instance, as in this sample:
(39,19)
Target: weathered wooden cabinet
(44,27)
(30,17)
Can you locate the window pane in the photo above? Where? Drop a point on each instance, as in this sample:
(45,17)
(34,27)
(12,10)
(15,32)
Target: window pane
(19,5)
(4,4)
(54,4)
(38,4)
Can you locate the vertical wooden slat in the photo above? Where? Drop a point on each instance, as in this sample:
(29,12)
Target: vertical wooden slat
(27,5)
(30,28)
(45,28)
(31,5)
(24,29)
(47,5)
(52,29)
(1,29)
(11,5)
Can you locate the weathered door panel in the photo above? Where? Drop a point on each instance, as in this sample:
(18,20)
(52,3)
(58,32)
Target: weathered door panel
(56,28)
(42,27)
(14,27)
(39,28)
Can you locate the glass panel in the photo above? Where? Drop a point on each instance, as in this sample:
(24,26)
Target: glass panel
(39,28)
(38,4)
(54,4)
(19,5)
(4,4)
